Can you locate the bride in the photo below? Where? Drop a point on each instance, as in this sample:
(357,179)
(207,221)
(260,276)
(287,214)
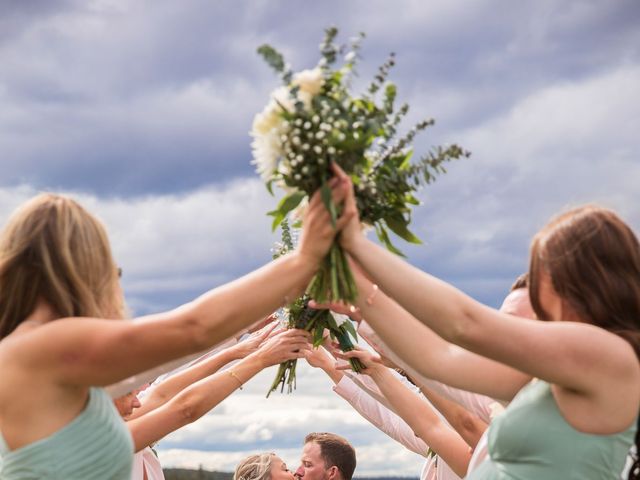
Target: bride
(264,466)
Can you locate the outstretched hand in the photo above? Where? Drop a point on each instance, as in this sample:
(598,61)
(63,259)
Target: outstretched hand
(317,230)
(253,342)
(286,345)
(371,361)
(351,230)
(319,358)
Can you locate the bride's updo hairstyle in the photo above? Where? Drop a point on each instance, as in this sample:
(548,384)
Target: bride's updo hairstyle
(53,249)
(254,467)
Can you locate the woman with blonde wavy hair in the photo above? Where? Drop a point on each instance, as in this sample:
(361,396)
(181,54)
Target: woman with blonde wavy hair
(263,466)
(62,337)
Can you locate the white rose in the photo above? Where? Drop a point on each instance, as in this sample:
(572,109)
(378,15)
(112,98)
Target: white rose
(309,81)
(266,152)
(265,121)
(282,98)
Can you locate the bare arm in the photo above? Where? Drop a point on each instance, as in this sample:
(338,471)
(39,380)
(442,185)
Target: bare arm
(369,408)
(591,368)
(422,419)
(196,400)
(478,405)
(428,353)
(166,390)
(468,425)
(101,352)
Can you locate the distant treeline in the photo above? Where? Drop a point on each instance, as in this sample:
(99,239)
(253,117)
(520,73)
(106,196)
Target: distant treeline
(184,474)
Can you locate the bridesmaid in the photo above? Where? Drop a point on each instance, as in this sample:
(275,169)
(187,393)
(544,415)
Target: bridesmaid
(62,337)
(579,419)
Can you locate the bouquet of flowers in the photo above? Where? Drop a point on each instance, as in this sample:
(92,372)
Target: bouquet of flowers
(298,314)
(315,119)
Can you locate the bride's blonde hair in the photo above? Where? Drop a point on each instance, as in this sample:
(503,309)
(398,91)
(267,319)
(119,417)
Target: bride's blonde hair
(53,249)
(254,467)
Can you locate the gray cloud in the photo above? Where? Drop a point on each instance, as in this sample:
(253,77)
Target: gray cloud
(125,98)
(141,109)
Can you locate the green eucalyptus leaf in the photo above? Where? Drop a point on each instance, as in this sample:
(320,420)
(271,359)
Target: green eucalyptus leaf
(384,238)
(348,326)
(331,323)
(287,204)
(399,227)
(272,57)
(325,193)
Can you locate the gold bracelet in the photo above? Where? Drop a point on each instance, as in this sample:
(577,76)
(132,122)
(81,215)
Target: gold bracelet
(235,375)
(372,295)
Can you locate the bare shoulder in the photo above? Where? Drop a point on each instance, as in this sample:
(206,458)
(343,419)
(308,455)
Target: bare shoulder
(612,406)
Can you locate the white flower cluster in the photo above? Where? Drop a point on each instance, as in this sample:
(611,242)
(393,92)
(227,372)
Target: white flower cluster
(269,128)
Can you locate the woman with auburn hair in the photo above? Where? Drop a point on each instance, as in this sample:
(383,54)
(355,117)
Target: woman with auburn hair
(264,466)
(58,286)
(578,417)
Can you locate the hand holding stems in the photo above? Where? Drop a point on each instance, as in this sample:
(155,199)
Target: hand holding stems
(286,345)
(371,362)
(333,280)
(351,229)
(200,397)
(321,358)
(317,230)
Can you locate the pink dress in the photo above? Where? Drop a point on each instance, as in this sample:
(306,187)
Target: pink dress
(146,459)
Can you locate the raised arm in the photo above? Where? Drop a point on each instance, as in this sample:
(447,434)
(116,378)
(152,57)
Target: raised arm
(429,354)
(591,365)
(416,412)
(101,352)
(169,388)
(479,405)
(468,425)
(197,399)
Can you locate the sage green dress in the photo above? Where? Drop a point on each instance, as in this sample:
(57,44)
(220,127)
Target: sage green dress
(94,445)
(531,440)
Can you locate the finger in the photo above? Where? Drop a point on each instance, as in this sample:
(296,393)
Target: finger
(278,331)
(342,366)
(334,181)
(338,172)
(315,199)
(299,333)
(319,306)
(338,193)
(268,329)
(297,345)
(344,219)
(352,354)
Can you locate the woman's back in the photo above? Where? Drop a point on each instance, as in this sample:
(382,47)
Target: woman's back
(95,445)
(531,440)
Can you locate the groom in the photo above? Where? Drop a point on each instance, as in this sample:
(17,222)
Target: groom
(326,456)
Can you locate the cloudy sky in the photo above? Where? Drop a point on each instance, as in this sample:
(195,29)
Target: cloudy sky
(141,109)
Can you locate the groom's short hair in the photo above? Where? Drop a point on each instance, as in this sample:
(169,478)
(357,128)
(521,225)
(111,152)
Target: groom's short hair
(335,451)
